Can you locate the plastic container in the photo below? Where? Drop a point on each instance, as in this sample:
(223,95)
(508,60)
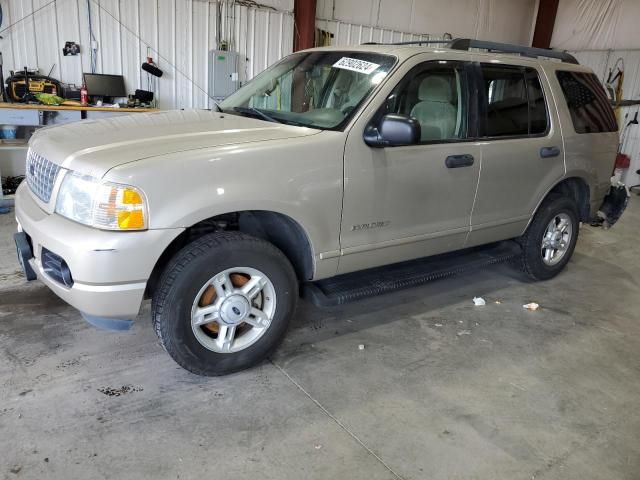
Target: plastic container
(9,132)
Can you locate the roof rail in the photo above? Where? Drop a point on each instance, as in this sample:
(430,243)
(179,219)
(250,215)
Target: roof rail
(413,42)
(467,43)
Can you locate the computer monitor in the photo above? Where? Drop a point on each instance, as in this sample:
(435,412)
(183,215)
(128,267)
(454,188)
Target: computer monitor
(105,86)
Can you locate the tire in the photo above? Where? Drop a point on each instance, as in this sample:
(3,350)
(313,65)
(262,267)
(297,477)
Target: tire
(194,283)
(555,208)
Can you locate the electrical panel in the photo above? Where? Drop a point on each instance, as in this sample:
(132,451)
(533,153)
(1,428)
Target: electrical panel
(223,73)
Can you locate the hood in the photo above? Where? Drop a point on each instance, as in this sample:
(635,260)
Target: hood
(95,147)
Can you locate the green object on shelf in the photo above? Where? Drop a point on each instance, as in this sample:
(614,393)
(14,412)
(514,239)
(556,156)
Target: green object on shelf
(49,99)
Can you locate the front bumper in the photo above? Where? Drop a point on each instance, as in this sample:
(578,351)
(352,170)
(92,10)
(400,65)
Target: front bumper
(110,269)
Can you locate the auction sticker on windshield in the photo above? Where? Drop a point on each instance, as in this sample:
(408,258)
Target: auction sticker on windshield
(356,65)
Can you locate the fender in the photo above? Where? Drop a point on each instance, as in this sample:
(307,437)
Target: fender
(584,204)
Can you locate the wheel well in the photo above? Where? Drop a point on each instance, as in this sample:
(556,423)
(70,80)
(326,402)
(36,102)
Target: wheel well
(276,228)
(578,190)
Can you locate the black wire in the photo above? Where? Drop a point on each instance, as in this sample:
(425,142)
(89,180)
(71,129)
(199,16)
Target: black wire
(92,39)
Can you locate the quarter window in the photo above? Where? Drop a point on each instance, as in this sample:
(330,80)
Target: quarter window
(515,104)
(588,105)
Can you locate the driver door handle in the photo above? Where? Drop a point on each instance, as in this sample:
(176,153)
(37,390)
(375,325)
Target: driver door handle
(458,161)
(548,152)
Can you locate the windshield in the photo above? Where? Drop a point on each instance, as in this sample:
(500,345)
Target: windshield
(318,89)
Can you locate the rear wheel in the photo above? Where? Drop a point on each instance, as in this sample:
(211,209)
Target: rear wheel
(224,303)
(551,238)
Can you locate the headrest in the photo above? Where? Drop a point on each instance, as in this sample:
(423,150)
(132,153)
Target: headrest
(435,88)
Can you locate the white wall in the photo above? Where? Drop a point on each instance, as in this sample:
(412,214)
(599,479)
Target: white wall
(599,32)
(499,20)
(182,31)
(597,24)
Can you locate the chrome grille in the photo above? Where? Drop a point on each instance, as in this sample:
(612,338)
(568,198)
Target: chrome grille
(41,175)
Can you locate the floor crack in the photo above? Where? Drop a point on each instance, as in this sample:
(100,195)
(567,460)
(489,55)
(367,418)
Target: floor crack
(338,422)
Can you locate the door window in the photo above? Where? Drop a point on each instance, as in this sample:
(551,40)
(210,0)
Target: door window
(515,103)
(434,93)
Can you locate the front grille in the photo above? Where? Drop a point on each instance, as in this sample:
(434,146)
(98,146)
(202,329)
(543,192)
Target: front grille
(41,175)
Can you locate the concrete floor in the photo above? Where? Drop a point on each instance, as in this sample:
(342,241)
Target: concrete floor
(442,390)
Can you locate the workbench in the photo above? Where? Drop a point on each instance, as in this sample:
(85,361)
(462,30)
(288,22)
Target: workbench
(20,114)
(29,117)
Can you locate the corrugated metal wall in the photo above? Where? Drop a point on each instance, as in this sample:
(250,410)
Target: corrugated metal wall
(354,34)
(181,31)
(601,61)
(596,25)
(497,20)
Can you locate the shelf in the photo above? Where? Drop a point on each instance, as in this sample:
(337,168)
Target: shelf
(78,108)
(14,147)
(13,144)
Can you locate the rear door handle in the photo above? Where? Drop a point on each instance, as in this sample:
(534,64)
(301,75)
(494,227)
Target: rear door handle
(548,152)
(458,161)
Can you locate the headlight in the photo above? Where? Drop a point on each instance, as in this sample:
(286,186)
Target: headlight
(111,206)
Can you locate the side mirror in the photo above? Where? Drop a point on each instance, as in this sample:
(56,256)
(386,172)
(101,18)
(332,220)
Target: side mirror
(394,130)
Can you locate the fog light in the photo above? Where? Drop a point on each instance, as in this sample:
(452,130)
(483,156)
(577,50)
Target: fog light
(56,268)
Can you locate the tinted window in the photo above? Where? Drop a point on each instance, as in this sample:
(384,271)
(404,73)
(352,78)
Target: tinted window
(537,106)
(434,94)
(515,104)
(587,102)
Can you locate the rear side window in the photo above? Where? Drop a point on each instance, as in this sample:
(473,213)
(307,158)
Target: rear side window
(587,102)
(515,104)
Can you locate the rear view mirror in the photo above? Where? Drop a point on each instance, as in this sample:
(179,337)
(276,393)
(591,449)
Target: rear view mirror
(394,130)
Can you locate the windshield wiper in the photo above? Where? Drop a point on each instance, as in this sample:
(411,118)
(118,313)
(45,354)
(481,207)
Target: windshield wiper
(256,112)
(259,113)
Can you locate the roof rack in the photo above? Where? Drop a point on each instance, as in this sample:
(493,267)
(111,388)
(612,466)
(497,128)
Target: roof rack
(467,43)
(413,42)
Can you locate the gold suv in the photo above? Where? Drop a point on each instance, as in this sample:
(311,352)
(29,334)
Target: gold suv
(332,161)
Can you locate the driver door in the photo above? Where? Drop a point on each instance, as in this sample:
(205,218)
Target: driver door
(406,202)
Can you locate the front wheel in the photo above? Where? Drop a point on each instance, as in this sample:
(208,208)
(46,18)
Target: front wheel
(224,303)
(551,238)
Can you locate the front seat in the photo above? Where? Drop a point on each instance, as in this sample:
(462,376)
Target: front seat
(435,112)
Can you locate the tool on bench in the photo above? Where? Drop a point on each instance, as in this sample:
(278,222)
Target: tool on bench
(22,85)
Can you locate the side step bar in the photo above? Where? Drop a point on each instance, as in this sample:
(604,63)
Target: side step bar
(375,281)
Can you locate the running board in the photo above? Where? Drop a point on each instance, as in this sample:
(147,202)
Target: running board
(375,281)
